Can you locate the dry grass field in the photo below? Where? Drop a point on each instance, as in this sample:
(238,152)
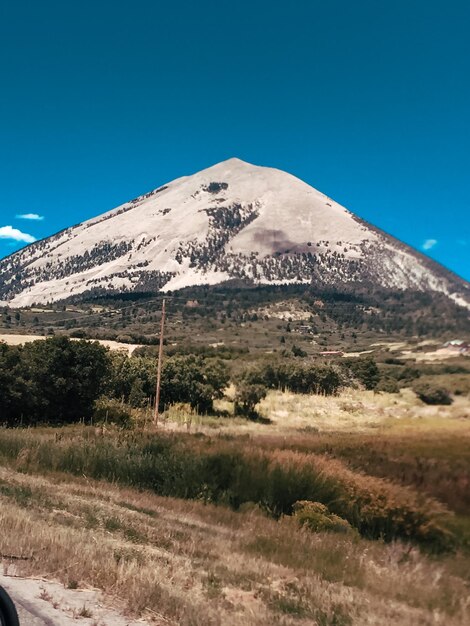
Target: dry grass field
(180,562)
(352,410)
(194,562)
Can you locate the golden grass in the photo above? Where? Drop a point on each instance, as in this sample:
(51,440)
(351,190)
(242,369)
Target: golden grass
(352,410)
(187,563)
(233,471)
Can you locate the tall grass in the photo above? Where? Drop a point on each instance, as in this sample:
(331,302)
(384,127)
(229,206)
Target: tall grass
(435,462)
(197,564)
(232,472)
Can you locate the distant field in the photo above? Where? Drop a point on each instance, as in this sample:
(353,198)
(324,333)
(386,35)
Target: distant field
(17,340)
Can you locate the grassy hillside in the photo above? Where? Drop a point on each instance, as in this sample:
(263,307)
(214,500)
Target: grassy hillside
(85,506)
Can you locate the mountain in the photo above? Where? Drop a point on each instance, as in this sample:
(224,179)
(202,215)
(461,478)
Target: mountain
(231,221)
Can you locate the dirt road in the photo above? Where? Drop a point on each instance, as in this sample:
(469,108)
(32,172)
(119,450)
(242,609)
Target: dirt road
(46,603)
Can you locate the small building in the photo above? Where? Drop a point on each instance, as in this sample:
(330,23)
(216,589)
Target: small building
(458,345)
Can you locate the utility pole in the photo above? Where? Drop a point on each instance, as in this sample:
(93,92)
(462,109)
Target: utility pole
(159,366)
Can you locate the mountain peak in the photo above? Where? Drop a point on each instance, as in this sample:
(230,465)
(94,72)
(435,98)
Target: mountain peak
(232,164)
(233,220)
(235,161)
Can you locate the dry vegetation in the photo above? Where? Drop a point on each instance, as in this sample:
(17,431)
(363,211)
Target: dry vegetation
(193,563)
(352,410)
(226,550)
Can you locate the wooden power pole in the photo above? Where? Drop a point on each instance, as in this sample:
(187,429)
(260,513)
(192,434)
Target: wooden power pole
(159,366)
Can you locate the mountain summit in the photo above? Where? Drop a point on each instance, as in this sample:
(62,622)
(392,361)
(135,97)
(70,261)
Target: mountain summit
(231,221)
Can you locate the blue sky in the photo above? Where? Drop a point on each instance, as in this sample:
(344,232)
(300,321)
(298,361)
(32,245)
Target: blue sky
(368,101)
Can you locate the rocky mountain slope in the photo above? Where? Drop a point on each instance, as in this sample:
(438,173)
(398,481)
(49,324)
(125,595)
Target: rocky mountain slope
(231,221)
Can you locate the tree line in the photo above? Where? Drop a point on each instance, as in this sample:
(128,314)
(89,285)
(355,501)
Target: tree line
(60,381)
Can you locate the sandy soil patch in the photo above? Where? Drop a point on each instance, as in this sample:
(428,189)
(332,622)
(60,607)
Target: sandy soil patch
(441,354)
(18,340)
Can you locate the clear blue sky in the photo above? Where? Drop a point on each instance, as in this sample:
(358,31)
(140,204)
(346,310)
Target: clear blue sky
(368,101)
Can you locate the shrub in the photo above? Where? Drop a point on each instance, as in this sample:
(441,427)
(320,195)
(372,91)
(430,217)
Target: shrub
(430,394)
(388,385)
(247,397)
(297,351)
(365,370)
(317,518)
(109,410)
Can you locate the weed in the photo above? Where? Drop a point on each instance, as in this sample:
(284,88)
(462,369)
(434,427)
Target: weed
(84,612)
(45,595)
(112,524)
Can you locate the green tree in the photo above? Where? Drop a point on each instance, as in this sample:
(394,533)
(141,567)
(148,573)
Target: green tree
(366,371)
(247,397)
(65,378)
(132,378)
(194,380)
(14,391)
(297,351)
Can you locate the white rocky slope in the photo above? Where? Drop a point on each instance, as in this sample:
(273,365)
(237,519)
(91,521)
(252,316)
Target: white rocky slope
(232,220)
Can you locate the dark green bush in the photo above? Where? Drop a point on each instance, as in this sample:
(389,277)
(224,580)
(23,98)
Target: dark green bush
(430,394)
(388,385)
(297,351)
(111,411)
(247,397)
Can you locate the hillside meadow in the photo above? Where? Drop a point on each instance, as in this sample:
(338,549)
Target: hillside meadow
(201,527)
(277,490)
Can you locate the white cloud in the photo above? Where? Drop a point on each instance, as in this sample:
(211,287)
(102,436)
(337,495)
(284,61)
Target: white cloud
(30,216)
(429,244)
(8,232)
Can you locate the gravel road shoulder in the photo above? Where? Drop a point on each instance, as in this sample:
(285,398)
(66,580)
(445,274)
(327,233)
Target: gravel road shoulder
(45,603)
